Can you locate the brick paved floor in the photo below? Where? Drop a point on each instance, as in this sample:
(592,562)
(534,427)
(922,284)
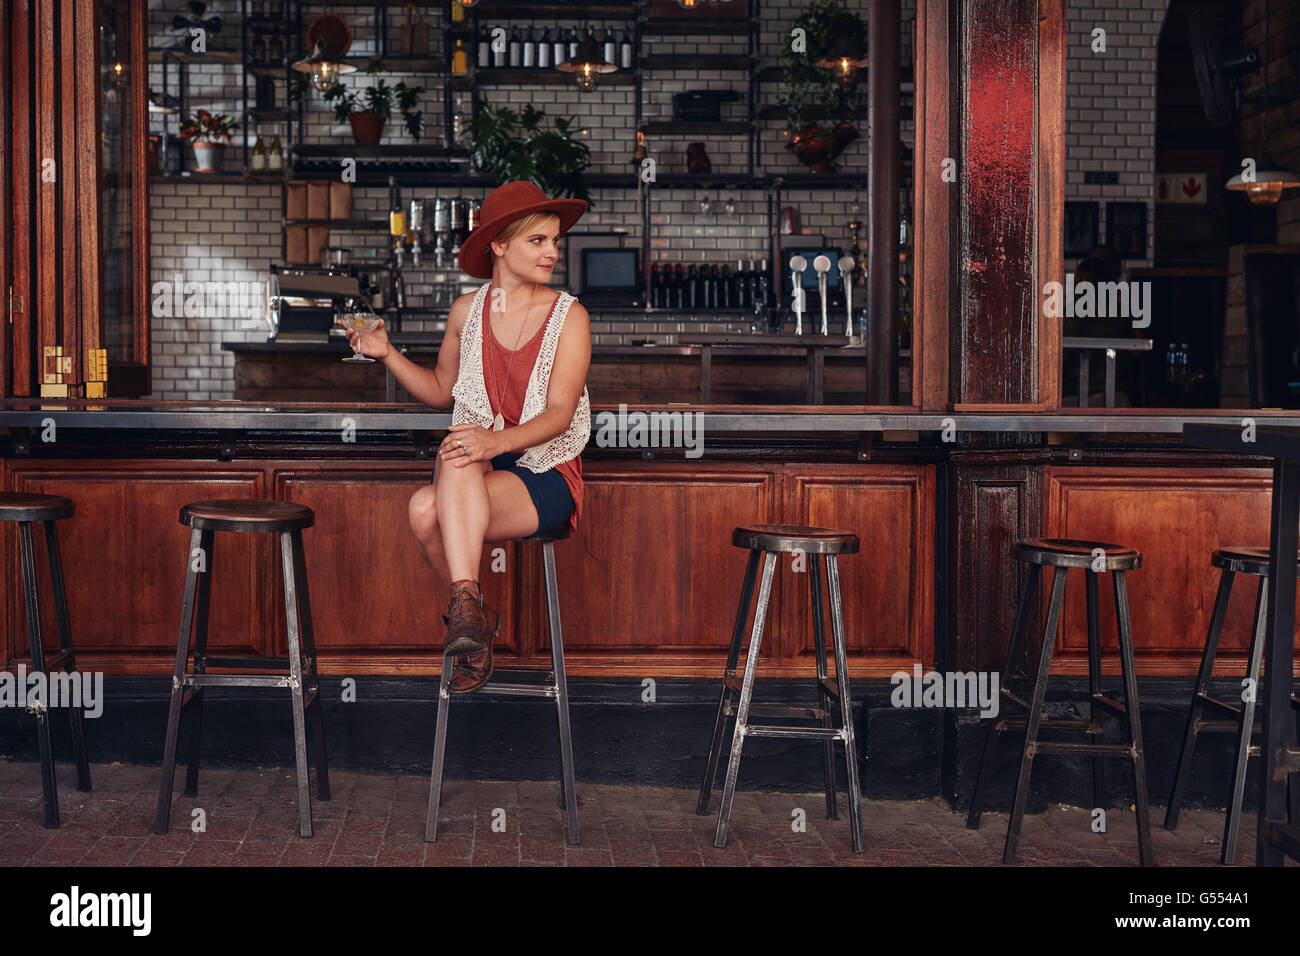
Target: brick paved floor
(378,820)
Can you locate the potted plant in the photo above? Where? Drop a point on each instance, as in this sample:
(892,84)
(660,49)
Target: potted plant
(209,134)
(518,146)
(368,123)
(820,109)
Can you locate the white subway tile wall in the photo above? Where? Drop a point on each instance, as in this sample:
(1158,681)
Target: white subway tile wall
(232,232)
(1110,105)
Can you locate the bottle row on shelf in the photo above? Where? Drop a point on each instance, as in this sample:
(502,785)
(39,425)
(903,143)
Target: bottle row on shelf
(709,285)
(263,160)
(499,50)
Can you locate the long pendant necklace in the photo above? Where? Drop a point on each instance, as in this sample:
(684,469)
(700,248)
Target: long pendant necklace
(499,422)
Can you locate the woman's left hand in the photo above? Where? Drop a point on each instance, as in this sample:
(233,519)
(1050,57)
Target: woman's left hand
(469,442)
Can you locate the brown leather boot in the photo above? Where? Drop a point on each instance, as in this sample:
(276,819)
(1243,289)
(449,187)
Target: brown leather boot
(468,622)
(472,672)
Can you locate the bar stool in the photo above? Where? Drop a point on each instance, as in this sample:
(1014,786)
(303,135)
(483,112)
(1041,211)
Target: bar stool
(820,543)
(553,685)
(1230,561)
(245,515)
(23,510)
(1093,557)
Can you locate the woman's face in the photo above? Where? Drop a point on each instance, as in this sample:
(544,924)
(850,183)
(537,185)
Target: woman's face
(531,255)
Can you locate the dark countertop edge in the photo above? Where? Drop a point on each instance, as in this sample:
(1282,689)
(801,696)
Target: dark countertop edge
(658,350)
(722,419)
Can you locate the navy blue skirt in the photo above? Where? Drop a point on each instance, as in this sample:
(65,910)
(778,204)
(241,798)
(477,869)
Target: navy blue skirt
(549,491)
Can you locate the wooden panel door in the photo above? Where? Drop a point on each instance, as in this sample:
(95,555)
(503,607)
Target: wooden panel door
(125,556)
(652,573)
(1176,518)
(887,588)
(373,593)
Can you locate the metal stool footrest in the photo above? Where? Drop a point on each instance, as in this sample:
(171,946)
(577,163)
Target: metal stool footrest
(1231,562)
(1063,555)
(553,686)
(297,671)
(822,546)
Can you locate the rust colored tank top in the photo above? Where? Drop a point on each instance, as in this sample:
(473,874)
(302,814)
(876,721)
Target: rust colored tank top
(495,359)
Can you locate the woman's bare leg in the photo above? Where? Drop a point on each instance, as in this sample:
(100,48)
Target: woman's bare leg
(464,511)
(511,515)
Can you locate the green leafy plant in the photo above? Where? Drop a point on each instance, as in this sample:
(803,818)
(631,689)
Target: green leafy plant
(806,85)
(207,127)
(518,146)
(378,98)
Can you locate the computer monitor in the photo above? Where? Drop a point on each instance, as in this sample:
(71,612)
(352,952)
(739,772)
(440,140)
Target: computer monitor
(610,271)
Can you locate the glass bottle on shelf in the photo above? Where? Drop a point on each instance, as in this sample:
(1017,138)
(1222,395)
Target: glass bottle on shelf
(459,59)
(516,48)
(484,49)
(725,298)
(573,43)
(559,49)
(679,287)
(654,285)
(457,12)
(257,163)
(625,51)
(544,49)
(610,49)
(459,123)
(691,298)
(530,50)
(275,162)
(498,54)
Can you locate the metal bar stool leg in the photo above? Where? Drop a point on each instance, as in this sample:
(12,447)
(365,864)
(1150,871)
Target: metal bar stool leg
(1131,707)
(295,678)
(439,750)
(49,786)
(65,644)
(1201,687)
(568,783)
(1034,716)
(1014,649)
(846,702)
(746,692)
(195,706)
(823,698)
(178,687)
(314,709)
(1094,687)
(1245,729)
(733,655)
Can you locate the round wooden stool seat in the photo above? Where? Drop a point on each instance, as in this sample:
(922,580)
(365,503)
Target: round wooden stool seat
(793,537)
(22,507)
(246,514)
(554,534)
(1073,553)
(1243,560)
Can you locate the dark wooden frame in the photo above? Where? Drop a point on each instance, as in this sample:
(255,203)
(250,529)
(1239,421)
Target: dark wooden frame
(1090,211)
(1113,210)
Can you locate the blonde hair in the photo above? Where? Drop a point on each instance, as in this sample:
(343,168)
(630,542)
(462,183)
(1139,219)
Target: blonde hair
(525,223)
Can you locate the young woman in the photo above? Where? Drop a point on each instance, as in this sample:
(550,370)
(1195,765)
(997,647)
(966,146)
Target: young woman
(514,360)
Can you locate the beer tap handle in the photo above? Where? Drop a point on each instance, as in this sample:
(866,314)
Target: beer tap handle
(797,266)
(823,265)
(846,265)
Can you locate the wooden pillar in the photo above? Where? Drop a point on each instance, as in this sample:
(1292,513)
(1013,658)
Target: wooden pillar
(1004,350)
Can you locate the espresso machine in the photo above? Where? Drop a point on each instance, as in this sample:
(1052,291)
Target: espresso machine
(302,302)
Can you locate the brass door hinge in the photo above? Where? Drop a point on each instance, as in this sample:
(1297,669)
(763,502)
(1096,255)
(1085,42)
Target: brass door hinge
(15,304)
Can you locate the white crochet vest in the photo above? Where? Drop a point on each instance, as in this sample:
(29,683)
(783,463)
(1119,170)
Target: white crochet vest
(471,397)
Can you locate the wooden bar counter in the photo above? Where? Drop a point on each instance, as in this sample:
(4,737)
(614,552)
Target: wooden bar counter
(649,584)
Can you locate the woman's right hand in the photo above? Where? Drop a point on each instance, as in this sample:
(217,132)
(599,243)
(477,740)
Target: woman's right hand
(373,343)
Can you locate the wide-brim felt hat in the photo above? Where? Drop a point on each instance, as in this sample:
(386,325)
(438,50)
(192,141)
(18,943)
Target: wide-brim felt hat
(503,206)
